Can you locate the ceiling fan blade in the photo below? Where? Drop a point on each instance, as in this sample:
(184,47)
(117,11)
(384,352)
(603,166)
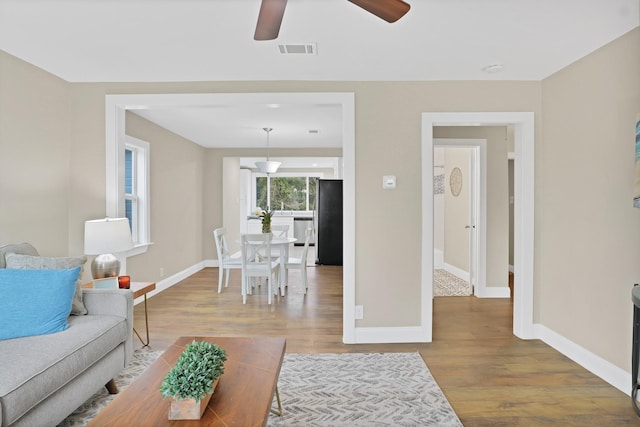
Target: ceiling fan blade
(269,19)
(389,10)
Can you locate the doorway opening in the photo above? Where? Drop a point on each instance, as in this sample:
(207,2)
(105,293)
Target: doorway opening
(523,125)
(459,216)
(116,107)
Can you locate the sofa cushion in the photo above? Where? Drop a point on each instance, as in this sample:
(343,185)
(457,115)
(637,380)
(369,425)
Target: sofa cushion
(20,261)
(19,248)
(35,302)
(47,362)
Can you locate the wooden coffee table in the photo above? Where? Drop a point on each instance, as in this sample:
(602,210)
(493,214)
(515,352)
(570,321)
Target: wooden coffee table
(243,397)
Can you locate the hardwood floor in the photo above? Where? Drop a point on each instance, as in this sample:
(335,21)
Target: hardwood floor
(490,377)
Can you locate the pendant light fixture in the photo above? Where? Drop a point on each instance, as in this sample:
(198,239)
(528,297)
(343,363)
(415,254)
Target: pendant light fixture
(268,166)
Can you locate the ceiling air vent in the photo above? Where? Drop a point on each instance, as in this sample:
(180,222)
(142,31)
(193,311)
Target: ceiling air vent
(298,49)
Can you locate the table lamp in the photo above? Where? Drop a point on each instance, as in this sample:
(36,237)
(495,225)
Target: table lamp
(104,237)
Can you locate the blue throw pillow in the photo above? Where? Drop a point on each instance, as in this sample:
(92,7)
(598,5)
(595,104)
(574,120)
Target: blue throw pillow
(35,302)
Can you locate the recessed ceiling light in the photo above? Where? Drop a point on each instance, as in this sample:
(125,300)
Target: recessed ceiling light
(493,68)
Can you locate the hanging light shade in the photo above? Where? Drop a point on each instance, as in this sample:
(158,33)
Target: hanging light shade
(268,166)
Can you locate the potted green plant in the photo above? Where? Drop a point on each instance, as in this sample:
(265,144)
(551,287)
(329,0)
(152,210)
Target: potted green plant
(191,382)
(266,220)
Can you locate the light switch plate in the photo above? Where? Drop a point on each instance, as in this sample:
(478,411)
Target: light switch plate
(389,182)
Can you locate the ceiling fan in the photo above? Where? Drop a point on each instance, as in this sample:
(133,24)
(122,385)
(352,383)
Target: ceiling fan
(272,11)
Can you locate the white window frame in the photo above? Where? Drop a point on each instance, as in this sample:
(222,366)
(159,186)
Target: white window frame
(115,188)
(255,175)
(133,195)
(141,186)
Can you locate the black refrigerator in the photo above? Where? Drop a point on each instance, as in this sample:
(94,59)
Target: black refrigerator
(328,216)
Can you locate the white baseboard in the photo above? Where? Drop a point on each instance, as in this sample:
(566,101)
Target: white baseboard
(172,280)
(493,292)
(458,272)
(617,377)
(403,334)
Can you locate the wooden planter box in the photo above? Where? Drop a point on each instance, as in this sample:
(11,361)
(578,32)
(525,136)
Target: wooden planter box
(189,409)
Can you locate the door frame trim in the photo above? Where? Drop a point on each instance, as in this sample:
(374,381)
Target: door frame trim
(115,111)
(524,180)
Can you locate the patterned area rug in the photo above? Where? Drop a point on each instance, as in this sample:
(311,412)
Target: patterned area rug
(355,389)
(352,389)
(141,359)
(446,284)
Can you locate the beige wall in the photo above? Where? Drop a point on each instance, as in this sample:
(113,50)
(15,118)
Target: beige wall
(388,142)
(231,201)
(588,233)
(586,239)
(177,182)
(35,128)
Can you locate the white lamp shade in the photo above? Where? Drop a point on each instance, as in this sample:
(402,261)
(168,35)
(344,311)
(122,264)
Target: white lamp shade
(107,236)
(268,166)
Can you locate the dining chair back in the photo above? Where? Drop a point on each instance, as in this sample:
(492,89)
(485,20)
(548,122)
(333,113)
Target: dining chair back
(280,230)
(226,261)
(301,263)
(257,262)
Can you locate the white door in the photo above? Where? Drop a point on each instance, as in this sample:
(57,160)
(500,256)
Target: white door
(463,217)
(474,196)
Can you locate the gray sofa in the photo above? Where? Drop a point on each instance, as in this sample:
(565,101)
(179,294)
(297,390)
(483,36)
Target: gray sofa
(44,378)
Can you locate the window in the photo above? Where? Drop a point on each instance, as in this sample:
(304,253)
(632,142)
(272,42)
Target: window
(288,192)
(136,189)
(130,191)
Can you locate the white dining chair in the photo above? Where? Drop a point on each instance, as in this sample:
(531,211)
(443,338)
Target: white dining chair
(279,231)
(301,263)
(226,261)
(258,266)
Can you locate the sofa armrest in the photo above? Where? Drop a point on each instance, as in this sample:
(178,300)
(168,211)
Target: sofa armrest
(112,302)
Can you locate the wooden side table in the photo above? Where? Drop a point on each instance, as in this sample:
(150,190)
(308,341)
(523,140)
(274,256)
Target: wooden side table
(142,289)
(139,289)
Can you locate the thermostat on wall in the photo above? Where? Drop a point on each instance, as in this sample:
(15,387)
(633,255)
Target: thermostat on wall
(389,182)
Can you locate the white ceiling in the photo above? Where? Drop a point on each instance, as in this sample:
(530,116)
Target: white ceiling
(202,40)
(242,125)
(210,40)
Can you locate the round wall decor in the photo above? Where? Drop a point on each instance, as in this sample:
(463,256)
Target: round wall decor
(455,181)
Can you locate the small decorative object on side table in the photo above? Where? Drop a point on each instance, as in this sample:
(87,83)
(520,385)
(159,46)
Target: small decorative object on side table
(124,282)
(106,283)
